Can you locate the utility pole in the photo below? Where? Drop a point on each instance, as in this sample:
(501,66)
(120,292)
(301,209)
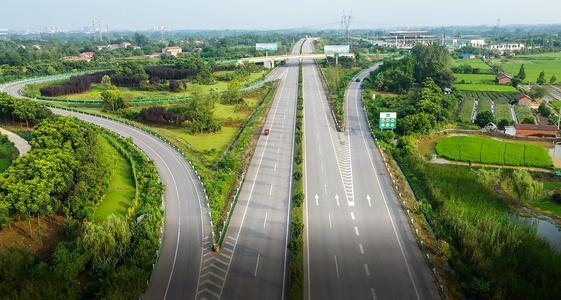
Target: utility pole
(346,24)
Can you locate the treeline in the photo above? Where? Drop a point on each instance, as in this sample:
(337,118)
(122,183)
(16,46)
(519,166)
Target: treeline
(24,110)
(60,175)
(399,75)
(116,256)
(76,84)
(419,112)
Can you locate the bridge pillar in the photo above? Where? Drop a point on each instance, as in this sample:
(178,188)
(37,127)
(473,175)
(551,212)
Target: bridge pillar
(269,64)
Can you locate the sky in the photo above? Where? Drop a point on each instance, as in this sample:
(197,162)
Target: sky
(263,14)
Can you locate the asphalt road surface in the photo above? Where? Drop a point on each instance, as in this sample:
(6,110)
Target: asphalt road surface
(359,244)
(253,260)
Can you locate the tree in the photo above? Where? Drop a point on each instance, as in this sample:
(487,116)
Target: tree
(521,73)
(504,122)
(101,240)
(528,120)
(541,78)
(553,79)
(106,82)
(432,61)
(544,110)
(483,118)
(113,99)
(522,186)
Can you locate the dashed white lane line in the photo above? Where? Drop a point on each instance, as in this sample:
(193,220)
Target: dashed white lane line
(373,294)
(361,248)
(352,215)
(367,270)
(356,230)
(318,136)
(319,150)
(256,265)
(275,167)
(278,149)
(329,216)
(271,190)
(281,136)
(322,167)
(336,266)
(265,221)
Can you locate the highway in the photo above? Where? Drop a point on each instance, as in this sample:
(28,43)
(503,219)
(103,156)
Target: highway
(177,271)
(253,260)
(358,242)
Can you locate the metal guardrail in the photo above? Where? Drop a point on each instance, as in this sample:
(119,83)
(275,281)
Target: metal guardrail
(416,231)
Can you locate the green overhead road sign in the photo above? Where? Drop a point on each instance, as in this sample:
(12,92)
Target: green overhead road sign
(387,120)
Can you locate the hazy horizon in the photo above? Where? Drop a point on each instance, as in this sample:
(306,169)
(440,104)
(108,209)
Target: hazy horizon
(262,15)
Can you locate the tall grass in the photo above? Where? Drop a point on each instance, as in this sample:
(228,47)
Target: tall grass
(493,258)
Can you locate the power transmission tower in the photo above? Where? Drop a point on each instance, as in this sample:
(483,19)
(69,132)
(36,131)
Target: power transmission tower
(346,24)
(99,26)
(497,34)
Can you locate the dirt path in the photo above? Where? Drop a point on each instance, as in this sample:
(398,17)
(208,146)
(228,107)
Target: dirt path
(22,145)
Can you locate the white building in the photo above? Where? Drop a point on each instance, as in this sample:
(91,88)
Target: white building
(506,47)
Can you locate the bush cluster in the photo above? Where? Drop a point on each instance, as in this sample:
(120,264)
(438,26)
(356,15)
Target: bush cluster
(76,84)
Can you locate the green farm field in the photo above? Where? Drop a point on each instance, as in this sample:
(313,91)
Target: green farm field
(474,62)
(490,151)
(550,63)
(485,87)
(475,78)
(121,189)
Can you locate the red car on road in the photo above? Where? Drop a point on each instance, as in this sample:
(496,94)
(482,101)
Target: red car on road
(266,132)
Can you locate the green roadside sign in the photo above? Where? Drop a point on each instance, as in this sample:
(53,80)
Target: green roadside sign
(387,120)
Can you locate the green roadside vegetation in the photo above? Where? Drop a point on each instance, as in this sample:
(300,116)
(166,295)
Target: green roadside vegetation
(296,245)
(70,175)
(120,189)
(490,151)
(8,152)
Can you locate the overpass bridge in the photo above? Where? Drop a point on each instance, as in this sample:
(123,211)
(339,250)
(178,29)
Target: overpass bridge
(269,61)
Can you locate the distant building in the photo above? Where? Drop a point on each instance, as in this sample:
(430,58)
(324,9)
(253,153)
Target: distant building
(37,47)
(503,79)
(523,99)
(153,55)
(535,130)
(173,50)
(447,91)
(467,56)
(408,37)
(456,43)
(125,45)
(87,54)
(112,46)
(508,47)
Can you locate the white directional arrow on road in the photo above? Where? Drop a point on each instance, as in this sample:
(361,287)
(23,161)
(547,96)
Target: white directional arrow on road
(368,198)
(337,199)
(317,197)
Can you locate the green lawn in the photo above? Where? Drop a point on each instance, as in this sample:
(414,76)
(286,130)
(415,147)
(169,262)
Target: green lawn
(485,87)
(204,144)
(4,164)
(475,78)
(121,189)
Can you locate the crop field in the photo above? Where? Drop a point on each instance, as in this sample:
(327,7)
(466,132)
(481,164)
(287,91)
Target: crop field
(522,111)
(466,109)
(502,109)
(485,87)
(489,151)
(490,95)
(475,78)
(550,63)
(474,62)
(484,104)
